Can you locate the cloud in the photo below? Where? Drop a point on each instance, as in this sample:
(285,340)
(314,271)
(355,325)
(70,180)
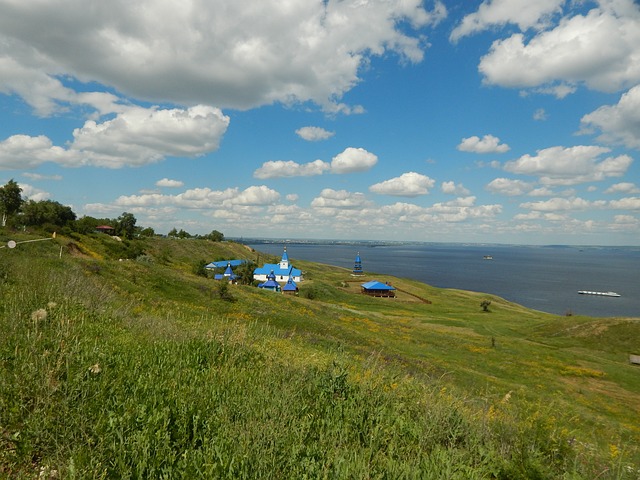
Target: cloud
(410,184)
(454,189)
(629,203)
(256,195)
(203,198)
(25,152)
(32,193)
(509,187)
(618,124)
(135,137)
(462,209)
(488,144)
(228,54)
(165,182)
(623,187)
(541,192)
(540,115)
(563,204)
(142,136)
(314,134)
(570,166)
(349,161)
(281,168)
(38,176)
(524,13)
(340,199)
(572,52)
(353,160)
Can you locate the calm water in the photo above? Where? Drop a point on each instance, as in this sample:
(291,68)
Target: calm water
(543,278)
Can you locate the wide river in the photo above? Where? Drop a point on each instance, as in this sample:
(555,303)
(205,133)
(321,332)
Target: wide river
(545,278)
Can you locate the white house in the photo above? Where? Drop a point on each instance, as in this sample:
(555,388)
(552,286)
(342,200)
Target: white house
(282,271)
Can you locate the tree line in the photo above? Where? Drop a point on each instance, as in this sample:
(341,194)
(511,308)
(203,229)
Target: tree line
(52,216)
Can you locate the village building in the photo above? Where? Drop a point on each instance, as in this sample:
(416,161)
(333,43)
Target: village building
(290,287)
(228,275)
(270,283)
(375,288)
(224,264)
(108,229)
(282,271)
(357,267)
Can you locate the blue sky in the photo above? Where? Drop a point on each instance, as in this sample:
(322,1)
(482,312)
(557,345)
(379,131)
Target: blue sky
(504,121)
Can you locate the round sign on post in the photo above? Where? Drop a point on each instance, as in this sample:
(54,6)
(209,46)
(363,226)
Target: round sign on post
(11,244)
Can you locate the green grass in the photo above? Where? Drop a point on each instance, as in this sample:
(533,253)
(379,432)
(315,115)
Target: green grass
(137,369)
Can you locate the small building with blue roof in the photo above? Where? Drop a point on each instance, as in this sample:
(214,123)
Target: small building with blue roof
(282,271)
(224,264)
(290,287)
(270,283)
(357,267)
(375,288)
(228,275)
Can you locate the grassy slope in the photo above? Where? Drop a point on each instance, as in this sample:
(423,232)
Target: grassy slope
(567,376)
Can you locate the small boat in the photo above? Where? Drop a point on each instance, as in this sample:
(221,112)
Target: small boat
(602,294)
(488,257)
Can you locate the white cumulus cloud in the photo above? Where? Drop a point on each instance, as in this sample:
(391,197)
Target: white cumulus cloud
(230,54)
(623,187)
(452,188)
(339,199)
(563,204)
(570,166)
(32,193)
(166,182)
(410,184)
(628,203)
(135,137)
(486,144)
(572,52)
(282,168)
(508,186)
(25,152)
(314,134)
(524,13)
(353,160)
(349,161)
(618,124)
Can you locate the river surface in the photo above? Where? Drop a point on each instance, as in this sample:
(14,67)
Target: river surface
(545,278)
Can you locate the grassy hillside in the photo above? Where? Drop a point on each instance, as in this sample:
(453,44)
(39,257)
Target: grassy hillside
(117,361)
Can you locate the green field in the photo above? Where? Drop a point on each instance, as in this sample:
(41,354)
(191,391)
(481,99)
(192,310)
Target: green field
(118,361)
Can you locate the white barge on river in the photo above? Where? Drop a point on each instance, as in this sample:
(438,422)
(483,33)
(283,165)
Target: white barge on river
(602,294)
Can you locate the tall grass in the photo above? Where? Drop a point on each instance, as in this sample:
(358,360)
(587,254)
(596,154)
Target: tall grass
(96,385)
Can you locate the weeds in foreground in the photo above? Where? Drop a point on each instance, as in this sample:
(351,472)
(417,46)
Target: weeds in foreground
(83,395)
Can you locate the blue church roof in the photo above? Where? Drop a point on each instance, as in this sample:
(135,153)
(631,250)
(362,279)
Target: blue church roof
(280,272)
(290,286)
(270,285)
(224,263)
(376,285)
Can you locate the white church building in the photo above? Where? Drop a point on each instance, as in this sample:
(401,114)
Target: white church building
(282,271)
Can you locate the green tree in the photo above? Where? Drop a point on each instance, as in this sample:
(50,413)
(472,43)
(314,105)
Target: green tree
(126,225)
(199,269)
(147,232)
(215,236)
(173,232)
(46,212)
(244,272)
(86,224)
(10,200)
